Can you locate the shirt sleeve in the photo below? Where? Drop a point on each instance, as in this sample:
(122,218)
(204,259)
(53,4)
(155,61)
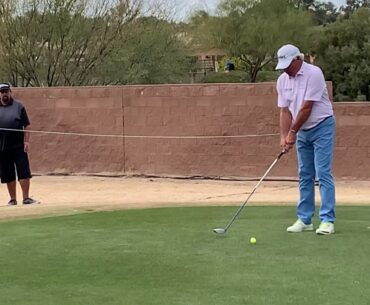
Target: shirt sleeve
(24,117)
(282,101)
(315,86)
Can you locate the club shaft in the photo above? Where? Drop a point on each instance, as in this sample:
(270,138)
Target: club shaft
(251,194)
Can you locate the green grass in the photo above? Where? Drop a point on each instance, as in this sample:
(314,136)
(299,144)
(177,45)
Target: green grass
(172,257)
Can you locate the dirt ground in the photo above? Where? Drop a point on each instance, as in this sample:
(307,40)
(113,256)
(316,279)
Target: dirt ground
(61,195)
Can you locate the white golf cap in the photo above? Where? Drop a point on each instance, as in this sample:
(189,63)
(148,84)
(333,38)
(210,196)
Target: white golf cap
(285,56)
(4,86)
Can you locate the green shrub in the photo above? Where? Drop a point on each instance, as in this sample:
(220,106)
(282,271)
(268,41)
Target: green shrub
(223,77)
(268,76)
(341,97)
(361,98)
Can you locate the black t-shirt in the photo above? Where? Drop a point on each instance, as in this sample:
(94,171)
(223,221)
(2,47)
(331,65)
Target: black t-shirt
(12,116)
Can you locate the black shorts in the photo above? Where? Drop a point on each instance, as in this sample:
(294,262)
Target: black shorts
(14,161)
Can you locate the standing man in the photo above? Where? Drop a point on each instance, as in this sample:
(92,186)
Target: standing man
(306,119)
(14,146)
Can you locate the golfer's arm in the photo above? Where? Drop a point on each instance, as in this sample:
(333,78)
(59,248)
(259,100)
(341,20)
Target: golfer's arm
(27,135)
(285,122)
(302,116)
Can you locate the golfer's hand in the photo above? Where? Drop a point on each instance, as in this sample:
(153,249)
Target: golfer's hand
(290,140)
(282,144)
(26,146)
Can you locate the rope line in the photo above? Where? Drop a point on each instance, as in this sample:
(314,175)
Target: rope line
(140,136)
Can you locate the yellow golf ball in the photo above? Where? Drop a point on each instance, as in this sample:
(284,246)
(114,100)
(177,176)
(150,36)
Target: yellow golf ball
(253,240)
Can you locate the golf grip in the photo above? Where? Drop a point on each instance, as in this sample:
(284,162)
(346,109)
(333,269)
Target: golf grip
(257,185)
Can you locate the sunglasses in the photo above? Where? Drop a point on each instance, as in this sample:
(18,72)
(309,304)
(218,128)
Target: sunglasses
(4,91)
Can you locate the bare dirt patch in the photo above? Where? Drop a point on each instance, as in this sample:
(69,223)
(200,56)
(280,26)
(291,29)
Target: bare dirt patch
(75,194)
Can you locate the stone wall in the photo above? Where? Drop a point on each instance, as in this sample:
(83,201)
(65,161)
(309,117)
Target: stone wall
(75,110)
(180,113)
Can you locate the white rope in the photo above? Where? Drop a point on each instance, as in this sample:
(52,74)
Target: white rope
(140,137)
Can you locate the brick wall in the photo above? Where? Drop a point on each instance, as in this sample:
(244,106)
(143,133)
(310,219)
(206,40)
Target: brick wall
(178,110)
(202,111)
(352,154)
(75,110)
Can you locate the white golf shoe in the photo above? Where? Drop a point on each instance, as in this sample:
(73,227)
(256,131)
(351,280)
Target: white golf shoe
(299,226)
(325,228)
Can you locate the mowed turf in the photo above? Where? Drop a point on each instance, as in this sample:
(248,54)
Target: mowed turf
(171,257)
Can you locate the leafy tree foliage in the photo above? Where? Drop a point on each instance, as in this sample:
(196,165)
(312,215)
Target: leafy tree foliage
(353,5)
(343,52)
(153,51)
(325,13)
(88,42)
(322,12)
(49,43)
(253,30)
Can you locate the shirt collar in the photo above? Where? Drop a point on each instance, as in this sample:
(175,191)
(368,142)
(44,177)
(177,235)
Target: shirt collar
(300,72)
(302,69)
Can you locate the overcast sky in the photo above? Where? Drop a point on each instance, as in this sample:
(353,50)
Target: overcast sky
(188,6)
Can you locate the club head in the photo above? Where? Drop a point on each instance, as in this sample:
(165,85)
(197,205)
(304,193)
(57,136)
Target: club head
(219,231)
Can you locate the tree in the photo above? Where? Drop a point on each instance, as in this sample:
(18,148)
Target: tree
(306,4)
(59,42)
(343,52)
(253,30)
(355,4)
(352,5)
(202,30)
(154,51)
(324,13)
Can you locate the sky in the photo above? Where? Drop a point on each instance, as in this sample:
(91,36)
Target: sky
(188,6)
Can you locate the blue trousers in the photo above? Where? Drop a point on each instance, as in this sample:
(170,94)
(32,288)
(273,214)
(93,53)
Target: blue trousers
(315,149)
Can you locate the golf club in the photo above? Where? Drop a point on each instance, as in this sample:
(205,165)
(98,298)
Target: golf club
(224,230)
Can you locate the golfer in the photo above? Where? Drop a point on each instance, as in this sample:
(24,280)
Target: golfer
(307,121)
